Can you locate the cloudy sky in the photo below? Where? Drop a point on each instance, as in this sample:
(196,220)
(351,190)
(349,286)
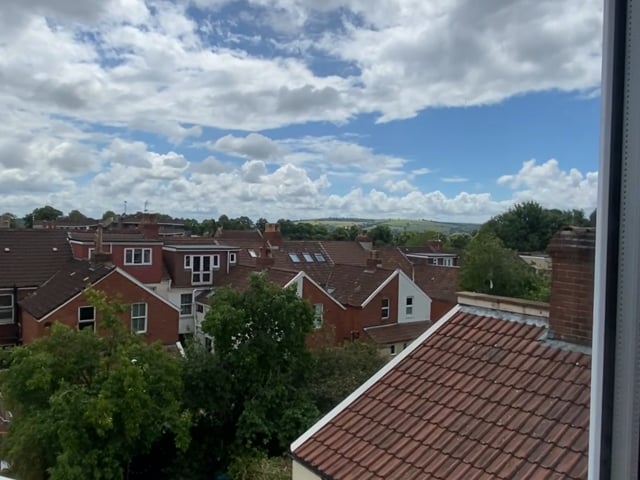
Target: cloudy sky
(440,109)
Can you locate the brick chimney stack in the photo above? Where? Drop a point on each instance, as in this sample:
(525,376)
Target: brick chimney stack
(99,255)
(272,234)
(572,252)
(265,258)
(373,261)
(149,226)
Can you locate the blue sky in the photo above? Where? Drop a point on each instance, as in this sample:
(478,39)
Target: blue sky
(448,110)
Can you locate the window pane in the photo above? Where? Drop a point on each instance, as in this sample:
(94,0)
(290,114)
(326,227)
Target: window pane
(137,255)
(128,255)
(6,314)
(6,300)
(86,313)
(206,263)
(147,255)
(195,263)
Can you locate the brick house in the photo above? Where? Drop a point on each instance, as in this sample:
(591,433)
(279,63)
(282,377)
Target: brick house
(328,311)
(61,299)
(497,388)
(27,259)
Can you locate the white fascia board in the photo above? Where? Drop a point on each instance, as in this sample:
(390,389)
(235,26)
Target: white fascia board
(380,287)
(62,305)
(373,379)
(141,285)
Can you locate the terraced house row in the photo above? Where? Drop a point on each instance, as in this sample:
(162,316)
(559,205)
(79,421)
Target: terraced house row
(385,295)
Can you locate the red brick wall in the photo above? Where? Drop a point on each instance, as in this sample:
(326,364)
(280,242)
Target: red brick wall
(439,308)
(333,319)
(357,318)
(162,319)
(143,273)
(571,304)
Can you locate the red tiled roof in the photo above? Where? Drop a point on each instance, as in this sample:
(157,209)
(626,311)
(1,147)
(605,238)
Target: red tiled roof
(239,276)
(131,236)
(397,332)
(436,281)
(64,285)
(29,257)
(474,397)
(352,285)
(231,236)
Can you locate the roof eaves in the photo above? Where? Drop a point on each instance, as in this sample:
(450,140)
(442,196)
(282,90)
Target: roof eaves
(373,379)
(73,297)
(380,287)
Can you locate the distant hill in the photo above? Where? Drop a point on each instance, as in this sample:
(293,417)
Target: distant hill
(397,224)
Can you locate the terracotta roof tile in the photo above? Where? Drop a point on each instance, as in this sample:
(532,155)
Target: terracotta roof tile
(397,332)
(468,402)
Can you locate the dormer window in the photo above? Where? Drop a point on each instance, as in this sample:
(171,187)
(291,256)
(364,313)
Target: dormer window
(233,258)
(202,267)
(137,256)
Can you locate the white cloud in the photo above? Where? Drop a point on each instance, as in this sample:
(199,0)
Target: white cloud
(455,179)
(552,187)
(254,146)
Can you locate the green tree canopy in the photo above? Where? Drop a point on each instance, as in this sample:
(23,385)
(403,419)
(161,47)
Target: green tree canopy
(489,267)
(263,363)
(109,214)
(527,227)
(339,370)
(43,213)
(84,406)
(381,235)
(76,215)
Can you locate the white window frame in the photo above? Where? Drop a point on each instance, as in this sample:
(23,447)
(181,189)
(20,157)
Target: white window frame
(86,321)
(91,252)
(233,258)
(318,315)
(184,305)
(135,318)
(7,308)
(202,276)
(132,252)
(385,308)
(187,262)
(408,306)
(392,350)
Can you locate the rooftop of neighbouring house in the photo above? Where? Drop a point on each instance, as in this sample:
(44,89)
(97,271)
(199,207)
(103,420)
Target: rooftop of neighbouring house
(396,332)
(439,282)
(29,257)
(65,284)
(481,394)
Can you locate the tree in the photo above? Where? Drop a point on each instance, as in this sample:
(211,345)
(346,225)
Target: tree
(259,337)
(261,224)
(381,235)
(339,370)
(84,406)
(489,267)
(43,213)
(76,216)
(527,227)
(108,215)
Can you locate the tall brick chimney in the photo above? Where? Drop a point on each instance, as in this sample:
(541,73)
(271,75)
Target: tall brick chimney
(272,234)
(99,255)
(149,226)
(572,252)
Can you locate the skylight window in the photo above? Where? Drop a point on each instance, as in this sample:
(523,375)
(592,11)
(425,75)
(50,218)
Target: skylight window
(319,257)
(307,257)
(294,258)
(252,253)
